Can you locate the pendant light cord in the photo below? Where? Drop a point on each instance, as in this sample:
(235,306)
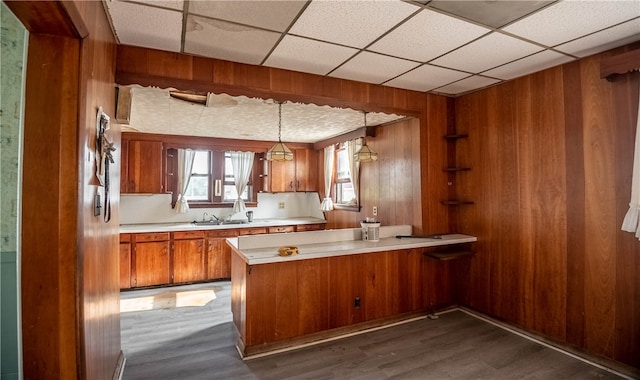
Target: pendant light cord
(279,121)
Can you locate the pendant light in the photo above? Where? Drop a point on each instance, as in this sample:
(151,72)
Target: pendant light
(365,154)
(279,152)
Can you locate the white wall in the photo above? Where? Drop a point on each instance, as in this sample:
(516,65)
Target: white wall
(156,208)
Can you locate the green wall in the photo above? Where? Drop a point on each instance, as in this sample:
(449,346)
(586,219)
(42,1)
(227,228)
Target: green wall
(13,40)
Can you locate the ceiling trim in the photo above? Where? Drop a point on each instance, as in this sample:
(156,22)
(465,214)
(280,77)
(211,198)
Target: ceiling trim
(620,64)
(360,132)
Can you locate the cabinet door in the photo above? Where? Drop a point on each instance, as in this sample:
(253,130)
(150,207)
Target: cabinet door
(125,265)
(144,167)
(306,169)
(218,258)
(282,176)
(188,260)
(151,260)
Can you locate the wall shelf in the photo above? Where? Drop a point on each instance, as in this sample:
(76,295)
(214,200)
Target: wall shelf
(456,203)
(456,136)
(448,255)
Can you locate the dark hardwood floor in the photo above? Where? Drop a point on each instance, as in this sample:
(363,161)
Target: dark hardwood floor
(173,340)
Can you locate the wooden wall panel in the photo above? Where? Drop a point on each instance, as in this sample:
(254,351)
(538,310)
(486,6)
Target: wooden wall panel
(72,331)
(551,155)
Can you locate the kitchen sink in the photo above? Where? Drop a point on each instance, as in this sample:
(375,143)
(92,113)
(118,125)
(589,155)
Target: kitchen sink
(217,222)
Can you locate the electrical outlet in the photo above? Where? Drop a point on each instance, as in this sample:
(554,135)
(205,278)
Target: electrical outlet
(356,302)
(375,210)
(281,205)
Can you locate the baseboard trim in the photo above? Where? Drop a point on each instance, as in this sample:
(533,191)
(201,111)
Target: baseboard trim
(119,370)
(614,368)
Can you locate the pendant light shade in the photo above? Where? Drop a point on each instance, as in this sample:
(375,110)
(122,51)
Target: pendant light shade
(365,154)
(279,152)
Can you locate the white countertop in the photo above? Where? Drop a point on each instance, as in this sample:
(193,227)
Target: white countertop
(315,250)
(187,226)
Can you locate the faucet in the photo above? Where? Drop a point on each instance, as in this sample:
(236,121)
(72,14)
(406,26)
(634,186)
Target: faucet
(204,215)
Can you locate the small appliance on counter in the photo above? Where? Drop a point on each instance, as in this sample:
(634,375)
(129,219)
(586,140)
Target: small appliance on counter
(249,216)
(370,229)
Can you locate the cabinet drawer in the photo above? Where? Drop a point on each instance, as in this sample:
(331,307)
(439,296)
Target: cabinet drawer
(310,227)
(125,238)
(277,229)
(253,231)
(223,233)
(154,236)
(181,235)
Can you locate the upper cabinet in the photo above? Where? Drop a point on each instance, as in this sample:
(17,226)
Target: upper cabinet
(141,170)
(301,174)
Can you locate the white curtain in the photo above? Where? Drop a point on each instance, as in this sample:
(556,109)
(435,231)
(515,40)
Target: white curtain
(354,170)
(242,162)
(327,202)
(631,221)
(185,164)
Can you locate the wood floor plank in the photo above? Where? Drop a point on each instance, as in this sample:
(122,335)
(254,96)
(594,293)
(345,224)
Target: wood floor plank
(198,342)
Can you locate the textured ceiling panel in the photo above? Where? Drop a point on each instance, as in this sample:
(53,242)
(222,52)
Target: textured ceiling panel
(228,41)
(486,53)
(426,77)
(151,27)
(566,20)
(491,13)
(427,35)
(309,56)
(607,39)
(154,111)
(351,23)
(528,65)
(467,84)
(273,15)
(373,68)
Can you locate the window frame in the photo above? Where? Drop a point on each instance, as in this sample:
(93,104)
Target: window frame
(337,183)
(217,171)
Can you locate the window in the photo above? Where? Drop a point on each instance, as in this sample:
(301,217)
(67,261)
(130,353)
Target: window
(200,183)
(345,194)
(212,183)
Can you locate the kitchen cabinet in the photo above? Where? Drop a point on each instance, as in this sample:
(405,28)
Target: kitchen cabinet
(219,253)
(300,174)
(188,256)
(310,227)
(151,259)
(141,168)
(125,261)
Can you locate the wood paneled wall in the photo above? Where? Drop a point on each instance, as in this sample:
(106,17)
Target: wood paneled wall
(392,183)
(149,67)
(552,154)
(70,293)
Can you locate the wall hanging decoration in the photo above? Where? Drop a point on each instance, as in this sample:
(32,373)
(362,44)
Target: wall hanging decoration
(104,157)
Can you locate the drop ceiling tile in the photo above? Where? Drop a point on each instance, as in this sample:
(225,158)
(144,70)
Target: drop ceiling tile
(427,35)
(607,39)
(486,53)
(425,78)
(491,13)
(273,15)
(141,25)
(528,65)
(170,4)
(567,20)
(373,68)
(224,40)
(351,23)
(471,83)
(309,56)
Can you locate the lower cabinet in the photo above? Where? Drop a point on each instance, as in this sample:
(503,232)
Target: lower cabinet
(150,259)
(188,256)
